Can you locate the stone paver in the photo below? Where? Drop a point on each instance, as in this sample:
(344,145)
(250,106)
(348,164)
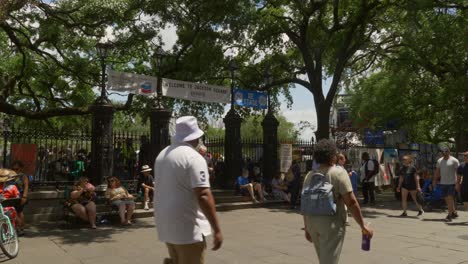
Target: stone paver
(258,235)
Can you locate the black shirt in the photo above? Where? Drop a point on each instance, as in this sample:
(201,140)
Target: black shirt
(146,180)
(408,176)
(463,171)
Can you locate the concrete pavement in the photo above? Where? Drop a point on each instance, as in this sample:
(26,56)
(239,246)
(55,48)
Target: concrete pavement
(258,235)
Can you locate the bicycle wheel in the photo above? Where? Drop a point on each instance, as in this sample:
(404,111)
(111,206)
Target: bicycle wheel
(8,240)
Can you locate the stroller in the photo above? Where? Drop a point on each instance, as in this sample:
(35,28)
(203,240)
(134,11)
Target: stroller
(432,196)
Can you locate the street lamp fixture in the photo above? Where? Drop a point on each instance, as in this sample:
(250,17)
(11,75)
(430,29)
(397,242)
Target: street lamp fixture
(233,67)
(159,57)
(103,50)
(268,78)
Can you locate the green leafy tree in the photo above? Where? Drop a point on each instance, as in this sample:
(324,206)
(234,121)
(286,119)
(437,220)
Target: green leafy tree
(421,84)
(48,60)
(251,128)
(304,42)
(301,42)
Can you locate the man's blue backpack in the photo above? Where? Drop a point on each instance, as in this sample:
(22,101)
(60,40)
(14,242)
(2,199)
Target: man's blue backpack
(317,198)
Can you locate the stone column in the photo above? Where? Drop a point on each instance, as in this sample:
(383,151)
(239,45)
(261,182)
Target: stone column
(159,130)
(270,146)
(102,146)
(232,149)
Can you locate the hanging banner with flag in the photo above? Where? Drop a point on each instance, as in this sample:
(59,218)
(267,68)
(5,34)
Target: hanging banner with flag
(195,91)
(249,98)
(131,82)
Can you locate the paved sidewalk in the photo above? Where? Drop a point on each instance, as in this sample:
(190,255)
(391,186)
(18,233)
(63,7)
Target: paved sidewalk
(259,235)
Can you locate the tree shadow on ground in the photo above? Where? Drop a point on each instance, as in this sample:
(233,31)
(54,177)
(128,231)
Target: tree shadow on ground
(82,234)
(464,237)
(403,217)
(285,208)
(434,219)
(367,213)
(457,224)
(3,257)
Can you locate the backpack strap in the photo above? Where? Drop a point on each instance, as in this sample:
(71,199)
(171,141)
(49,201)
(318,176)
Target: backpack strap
(317,172)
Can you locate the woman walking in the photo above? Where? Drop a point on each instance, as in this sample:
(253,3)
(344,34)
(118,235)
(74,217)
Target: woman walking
(408,183)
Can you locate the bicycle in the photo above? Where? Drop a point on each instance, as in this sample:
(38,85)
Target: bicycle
(8,237)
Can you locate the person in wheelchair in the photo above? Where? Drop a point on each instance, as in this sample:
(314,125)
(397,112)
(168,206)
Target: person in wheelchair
(432,195)
(9,191)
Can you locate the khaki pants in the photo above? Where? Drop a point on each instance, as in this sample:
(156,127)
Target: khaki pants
(187,254)
(327,234)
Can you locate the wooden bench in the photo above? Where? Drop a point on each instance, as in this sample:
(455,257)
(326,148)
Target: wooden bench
(104,210)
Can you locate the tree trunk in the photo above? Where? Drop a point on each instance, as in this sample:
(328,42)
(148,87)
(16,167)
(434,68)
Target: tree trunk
(323,119)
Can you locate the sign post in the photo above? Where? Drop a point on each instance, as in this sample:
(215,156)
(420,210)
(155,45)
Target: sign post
(286,157)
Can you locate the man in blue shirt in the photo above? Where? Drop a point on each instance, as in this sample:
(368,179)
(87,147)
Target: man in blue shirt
(245,186)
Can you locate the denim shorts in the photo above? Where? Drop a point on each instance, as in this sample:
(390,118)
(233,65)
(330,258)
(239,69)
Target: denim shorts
(447,189)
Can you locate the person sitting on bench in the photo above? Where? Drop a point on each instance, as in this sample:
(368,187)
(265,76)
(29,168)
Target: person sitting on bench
(120,198)
(82,201)
(247,187)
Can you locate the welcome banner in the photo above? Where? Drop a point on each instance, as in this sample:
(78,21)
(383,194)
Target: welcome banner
(196,91)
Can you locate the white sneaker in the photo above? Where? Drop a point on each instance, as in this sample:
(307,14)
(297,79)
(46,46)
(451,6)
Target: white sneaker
(146,206)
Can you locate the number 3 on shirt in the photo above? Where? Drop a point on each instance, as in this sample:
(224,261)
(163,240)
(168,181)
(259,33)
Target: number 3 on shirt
(202,176)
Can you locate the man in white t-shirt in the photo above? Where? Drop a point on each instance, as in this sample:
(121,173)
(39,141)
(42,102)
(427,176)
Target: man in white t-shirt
(185,209)
(446,172)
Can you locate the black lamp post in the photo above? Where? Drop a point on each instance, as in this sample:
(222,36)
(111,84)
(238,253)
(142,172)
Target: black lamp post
(270,133)
(102,147)
(233,67)
(159,117)
(159,57)
(268,78)
(103,50)
(232,142)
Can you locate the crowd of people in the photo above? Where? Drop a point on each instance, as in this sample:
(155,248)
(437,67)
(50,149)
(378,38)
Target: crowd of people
(186,168)
(185,219)
(69,163)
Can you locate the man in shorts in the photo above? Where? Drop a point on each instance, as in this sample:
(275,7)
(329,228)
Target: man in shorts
(327,232)
(462,180)
(185,211)
(446,172)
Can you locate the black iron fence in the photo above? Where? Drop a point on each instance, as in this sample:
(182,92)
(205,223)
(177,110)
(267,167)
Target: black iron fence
(252,149)
(54,156)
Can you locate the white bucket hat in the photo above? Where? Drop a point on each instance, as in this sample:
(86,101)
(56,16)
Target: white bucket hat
(145,168)
(187,129)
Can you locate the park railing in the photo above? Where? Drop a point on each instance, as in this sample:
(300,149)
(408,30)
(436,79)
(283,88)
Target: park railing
(252,148)
(54,157)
